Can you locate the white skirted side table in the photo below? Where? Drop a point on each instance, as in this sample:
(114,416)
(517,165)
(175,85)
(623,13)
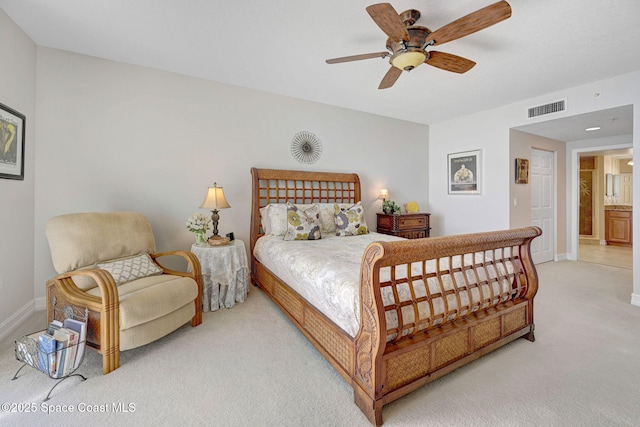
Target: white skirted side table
(225,274)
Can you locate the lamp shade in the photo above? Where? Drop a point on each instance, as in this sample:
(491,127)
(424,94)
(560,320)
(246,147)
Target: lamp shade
(384,193)
(215,199)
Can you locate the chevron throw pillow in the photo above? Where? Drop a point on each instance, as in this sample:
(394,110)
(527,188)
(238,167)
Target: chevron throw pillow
(128,269)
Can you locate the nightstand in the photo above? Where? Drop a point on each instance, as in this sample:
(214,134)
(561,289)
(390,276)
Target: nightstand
(407,225)
(225,274)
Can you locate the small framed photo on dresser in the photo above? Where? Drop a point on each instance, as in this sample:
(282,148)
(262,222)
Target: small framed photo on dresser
(12,126)
(464,172)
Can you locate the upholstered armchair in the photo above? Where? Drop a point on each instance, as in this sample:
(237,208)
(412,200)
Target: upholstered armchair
(108,265)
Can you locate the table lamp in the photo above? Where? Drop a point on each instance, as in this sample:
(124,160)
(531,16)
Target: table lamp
(215,200)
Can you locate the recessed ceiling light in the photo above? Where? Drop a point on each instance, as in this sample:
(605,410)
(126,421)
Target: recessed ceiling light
(593,128)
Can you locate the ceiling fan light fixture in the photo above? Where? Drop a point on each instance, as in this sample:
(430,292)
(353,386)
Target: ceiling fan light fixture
(408,43)
(408,60)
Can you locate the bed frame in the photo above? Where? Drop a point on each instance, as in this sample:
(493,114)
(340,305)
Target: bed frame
(381,369)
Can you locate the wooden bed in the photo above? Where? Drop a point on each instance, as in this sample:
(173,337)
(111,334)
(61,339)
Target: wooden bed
(384,364)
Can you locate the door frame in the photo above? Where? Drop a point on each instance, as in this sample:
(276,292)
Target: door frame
(574,182)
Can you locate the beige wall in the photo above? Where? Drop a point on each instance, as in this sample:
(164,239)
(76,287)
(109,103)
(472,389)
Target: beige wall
(624,167)
(17,90)
(121,137)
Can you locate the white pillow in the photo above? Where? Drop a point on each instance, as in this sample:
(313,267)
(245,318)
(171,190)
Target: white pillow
(274,219)
(266,221)
(128,269)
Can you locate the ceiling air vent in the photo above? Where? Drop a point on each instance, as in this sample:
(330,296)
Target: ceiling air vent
(541,110)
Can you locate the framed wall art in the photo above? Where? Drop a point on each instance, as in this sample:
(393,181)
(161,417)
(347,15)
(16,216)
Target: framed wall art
(464,172)
(522,171)
(12,126)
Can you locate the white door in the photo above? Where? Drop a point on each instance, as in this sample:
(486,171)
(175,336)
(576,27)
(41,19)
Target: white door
(542,204)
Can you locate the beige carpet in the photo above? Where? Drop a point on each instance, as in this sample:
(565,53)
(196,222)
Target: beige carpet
(248,366)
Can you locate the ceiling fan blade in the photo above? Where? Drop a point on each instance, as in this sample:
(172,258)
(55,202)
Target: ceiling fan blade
(358,57)
(386,17)
(390,78)
(469,24)
(449,62)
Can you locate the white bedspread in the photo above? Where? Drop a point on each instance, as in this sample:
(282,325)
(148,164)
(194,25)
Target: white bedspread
(325,272)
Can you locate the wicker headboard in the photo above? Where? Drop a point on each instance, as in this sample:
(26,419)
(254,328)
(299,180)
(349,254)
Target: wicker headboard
(303,187)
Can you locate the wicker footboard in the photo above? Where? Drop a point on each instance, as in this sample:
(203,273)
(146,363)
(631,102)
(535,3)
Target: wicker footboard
(393,360)
(487,301)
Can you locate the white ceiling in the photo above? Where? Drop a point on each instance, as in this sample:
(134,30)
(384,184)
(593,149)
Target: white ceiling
(280,46)
(611,122)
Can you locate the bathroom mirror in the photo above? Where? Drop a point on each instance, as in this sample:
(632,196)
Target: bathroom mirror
(616,185)
(613,185)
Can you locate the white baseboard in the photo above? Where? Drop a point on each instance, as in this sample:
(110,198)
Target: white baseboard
(12,323)
(561,257)
(635,299)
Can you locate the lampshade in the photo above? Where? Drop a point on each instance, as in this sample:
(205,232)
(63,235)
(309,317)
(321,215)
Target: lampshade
(384,194)
(630,162)
(215,199)
(408,60)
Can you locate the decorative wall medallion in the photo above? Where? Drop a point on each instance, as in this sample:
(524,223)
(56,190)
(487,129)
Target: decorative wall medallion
(306,147)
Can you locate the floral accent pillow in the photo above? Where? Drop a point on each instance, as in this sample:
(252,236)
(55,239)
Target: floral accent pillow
(129,269)
(303,224)
(350,221)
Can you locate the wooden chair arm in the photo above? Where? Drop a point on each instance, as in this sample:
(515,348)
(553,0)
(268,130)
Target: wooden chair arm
(108,289)
(190,257)
(107,305)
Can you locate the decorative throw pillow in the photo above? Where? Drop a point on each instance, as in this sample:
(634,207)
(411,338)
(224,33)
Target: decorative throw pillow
(127,269)
(350,221)
(327,221)
(303,224)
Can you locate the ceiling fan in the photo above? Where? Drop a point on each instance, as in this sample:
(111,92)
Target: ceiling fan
(407,44)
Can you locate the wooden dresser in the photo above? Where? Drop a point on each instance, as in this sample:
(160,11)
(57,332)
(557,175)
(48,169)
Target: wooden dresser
(407,225)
